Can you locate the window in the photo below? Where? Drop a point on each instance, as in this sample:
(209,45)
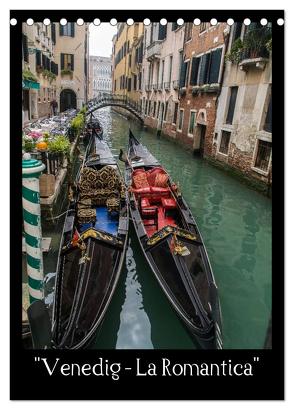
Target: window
(188,31)
(162,72)
(165,112)
(181,120)
(135,82)
(174,26)
(192,122)
(232,104)
(195,70)
(162,32)
(263,155)
(67,61)
(184,74)
(129,84)
(154,109)
(158,110)
(236,32)
(267,126)
(67,30)
(214,68)
(25,48)
(53,33)
(170,68)
(175,113)
(204,69)
(130,60)
(225,141)
(202,27)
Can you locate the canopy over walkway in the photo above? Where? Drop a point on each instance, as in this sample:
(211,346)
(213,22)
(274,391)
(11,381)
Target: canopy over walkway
(104,100)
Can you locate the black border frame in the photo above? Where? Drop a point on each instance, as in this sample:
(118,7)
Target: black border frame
(268,380)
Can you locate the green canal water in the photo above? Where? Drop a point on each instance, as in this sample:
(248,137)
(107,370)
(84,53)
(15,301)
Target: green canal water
(235,223)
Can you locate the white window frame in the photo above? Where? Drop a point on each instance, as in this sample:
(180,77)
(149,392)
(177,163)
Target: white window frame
(253,167)
(189,134)
(220,140)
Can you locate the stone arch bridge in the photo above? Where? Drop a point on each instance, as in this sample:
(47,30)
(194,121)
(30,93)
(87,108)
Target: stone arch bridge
(105,100)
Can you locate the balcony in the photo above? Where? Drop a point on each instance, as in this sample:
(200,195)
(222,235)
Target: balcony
(167,86)
(155,87)
(153,50)
(176,84)
(160,86)
(253,57)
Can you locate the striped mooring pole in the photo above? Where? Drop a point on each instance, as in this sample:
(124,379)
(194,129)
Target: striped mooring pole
(31,171)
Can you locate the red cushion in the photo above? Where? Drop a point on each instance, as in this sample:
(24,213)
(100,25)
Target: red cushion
(149,211)
(141,190)
(159,190)
(145,202)
(161,180)
(140,180)
(151,174)
(168,203)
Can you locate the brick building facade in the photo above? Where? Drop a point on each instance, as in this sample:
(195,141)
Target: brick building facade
(200,79)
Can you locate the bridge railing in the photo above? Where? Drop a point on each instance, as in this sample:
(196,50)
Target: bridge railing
(115,99)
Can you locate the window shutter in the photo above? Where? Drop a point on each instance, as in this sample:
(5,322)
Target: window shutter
(62,61)
(216,56)
(25,48)
(72,29)
(53,33)
(174,26)
(72,62)
(162,32)
(194,70)
(237,31)
(52,67)
(38,58)
(60,30)
(204,68)
(183,74)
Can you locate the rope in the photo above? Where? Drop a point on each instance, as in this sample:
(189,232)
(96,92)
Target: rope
(56,217)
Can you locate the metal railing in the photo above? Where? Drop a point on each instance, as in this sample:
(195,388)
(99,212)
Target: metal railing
(53,162)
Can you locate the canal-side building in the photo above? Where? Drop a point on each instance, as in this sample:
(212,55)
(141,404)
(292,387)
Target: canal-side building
(127,57)
(200,82)
(243,129)
(72,56)
(100,75)
(163,48)
(39,70)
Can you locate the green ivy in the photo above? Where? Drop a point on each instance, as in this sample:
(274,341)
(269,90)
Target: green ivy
(29,76)
(66,72)
(235,54)
(49,75)
(78,123)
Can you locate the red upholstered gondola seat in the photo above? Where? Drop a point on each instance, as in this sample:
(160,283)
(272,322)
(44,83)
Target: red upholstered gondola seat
(152,173)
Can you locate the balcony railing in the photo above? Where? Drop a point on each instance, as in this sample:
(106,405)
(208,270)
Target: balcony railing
(176,84)
(255,48)
(153,50)
(167,85)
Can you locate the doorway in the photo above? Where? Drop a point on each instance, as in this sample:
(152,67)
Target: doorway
(26,105)
(68,99)
(199,139)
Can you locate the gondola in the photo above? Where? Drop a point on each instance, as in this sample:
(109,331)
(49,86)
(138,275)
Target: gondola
(92,249)
(93,128)
(172,244)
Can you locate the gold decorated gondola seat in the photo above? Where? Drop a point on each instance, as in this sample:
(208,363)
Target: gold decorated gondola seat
(99,188)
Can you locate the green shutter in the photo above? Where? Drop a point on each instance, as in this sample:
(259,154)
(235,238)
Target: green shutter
(72,62)
(38,58)
(60,30)
(204,65)
(216,56)
(72,29)
(53,33)
(183,74)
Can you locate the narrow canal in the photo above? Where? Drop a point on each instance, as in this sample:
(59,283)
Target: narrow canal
(235,222)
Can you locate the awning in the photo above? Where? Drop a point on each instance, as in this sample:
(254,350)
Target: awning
(26,84)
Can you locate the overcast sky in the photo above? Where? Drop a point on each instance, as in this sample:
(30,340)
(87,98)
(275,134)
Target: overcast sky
(101,39)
